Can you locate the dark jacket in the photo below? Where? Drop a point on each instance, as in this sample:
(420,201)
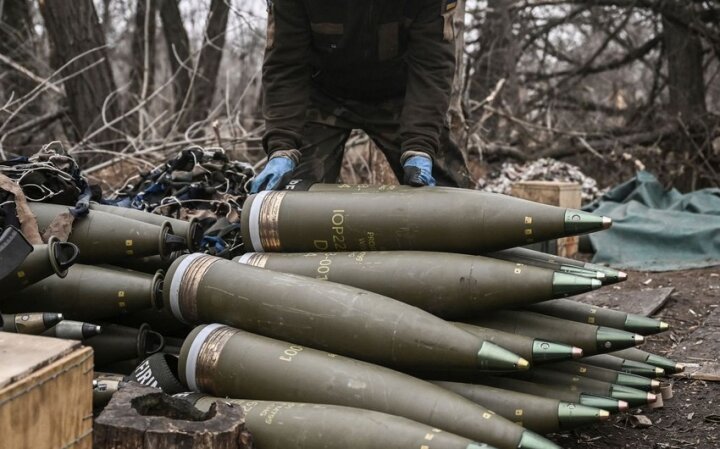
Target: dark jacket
(367,50)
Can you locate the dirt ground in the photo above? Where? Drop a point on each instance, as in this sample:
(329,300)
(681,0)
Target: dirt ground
(691,419)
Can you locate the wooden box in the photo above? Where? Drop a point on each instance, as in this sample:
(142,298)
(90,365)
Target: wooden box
(561,194)
(45,393)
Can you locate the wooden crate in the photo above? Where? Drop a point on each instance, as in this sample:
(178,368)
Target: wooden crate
(562,194)
(45,393)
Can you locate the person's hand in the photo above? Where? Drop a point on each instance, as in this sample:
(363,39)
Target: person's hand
(272,174)
(418,171)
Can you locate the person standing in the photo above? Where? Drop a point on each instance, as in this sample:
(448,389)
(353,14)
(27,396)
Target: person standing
(383,66)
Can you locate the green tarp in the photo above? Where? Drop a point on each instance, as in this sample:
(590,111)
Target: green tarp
(656,229)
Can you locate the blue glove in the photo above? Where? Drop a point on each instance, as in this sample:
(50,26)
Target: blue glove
(418,171)
(272,175)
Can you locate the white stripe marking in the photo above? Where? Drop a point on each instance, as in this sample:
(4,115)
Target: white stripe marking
(254,221)
(177,283)
(245,258)
(194,353)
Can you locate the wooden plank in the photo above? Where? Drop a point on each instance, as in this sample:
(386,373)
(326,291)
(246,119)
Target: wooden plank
(22,354)
(640,302)
(699,350)
(51,407)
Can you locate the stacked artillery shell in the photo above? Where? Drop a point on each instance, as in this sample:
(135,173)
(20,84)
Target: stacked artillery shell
(188,230)
(29,323)
(613,362)
(591,339)
(73,330)
(117,343)
(89,293)
(55,258)
(108,238)
(223,361)
(447,285)
(357,218)
(539,414)
(637,355)
(533,349)
(324,315)
(570,395)
(281,425)
(530,257)
(632,396)
(585,313)
(358,324)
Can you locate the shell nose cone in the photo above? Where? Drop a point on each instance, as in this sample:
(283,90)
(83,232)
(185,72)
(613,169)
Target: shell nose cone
(496,358)
(622,276)
(606,222)
(639,339)
(565,284)
(604,415)
(580,222)
(623,406)
(577,352)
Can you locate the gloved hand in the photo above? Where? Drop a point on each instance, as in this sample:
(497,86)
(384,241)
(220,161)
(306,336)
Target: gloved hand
(418,171)
(272,174)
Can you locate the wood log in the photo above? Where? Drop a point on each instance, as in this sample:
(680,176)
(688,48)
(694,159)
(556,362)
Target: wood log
(140,417)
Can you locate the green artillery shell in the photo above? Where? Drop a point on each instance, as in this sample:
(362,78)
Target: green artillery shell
(89,293)
(223,361)
(591,339)
(297,425)
(29,323)
(106,238)
(539,414)
(398,218)
(149,264)
(638,355)
(565,394)
(73,330)
(189,230)
(587,313)
(540,259)
(444,284)
(532,349)
(117,343)
(606,375)
(323,315)
(55,258)
(628,366)
(632,396)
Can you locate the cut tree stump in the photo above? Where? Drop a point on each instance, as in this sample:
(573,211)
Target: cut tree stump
(140,417)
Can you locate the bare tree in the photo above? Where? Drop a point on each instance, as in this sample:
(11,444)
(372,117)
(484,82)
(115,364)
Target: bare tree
(78,47)
(208,65)
(178,49)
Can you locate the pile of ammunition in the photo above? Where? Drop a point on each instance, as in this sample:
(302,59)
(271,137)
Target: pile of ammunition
(357,317)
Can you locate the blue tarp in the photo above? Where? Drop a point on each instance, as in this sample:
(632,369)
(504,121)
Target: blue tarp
(656,229)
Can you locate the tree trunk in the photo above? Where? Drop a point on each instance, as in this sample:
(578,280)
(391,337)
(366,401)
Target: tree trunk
(686,81)
(686,85)
(497,60)
(209,61)
(456,113)
(142,72)
(178,48)
(74,30)
(140,417)
(16,42)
